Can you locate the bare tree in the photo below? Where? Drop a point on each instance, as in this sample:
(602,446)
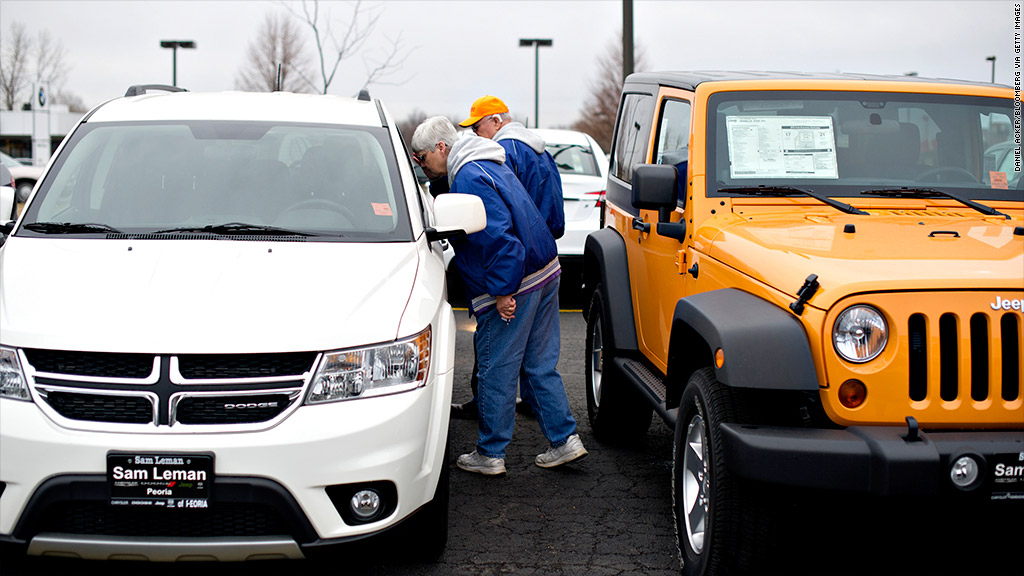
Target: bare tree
(41,60)
(598,114)
(278,43)
(14,74)
(49,60)
(73,101)
(331,48)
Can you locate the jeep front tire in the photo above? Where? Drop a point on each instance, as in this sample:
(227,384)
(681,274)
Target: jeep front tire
(718,523)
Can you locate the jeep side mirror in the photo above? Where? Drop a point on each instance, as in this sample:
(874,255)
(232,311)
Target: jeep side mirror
(654,188)
(456,214)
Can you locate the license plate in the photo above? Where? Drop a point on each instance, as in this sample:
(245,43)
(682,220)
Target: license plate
(160,480)
(1007,476)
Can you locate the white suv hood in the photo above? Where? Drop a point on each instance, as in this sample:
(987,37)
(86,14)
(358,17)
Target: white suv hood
(202,296)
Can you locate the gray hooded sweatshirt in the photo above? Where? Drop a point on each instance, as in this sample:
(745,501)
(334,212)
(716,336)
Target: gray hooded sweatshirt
(516,131)
(470,148)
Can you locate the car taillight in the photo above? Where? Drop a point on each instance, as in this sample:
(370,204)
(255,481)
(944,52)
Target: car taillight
(600,198)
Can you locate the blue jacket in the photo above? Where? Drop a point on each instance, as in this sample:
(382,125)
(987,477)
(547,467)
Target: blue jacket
(515,253)
(536,169)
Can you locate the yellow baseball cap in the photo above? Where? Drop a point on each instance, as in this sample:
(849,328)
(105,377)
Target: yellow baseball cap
(483,107)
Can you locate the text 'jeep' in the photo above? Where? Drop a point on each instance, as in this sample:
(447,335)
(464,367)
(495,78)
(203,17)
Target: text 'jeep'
(818,281)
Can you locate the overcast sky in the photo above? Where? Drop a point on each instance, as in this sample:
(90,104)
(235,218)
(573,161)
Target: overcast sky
(460,50)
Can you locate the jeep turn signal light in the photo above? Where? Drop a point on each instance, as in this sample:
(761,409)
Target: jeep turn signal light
(719,358)
(852,393)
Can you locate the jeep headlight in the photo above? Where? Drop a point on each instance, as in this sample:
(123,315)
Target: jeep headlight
(13,383)
(372,371)
(860,334)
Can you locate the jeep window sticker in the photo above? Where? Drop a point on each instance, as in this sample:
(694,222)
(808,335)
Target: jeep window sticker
(781,147)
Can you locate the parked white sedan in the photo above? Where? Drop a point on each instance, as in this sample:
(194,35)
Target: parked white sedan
(583,167)
(25,176)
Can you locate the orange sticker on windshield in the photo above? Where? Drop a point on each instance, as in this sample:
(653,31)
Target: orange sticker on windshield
(385,209)
(998,180)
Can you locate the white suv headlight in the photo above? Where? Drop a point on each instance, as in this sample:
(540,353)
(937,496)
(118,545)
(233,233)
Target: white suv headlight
(13,383)
(860,334)
(373,371)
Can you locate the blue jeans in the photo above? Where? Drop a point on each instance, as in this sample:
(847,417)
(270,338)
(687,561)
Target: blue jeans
(501,348)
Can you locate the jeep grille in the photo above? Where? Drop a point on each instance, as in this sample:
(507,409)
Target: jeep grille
(952,360)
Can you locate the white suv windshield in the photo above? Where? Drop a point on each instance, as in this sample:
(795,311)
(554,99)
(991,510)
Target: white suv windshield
(853,143)
(167,178)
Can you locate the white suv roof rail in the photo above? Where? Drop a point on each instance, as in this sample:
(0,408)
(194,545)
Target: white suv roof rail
(140,89)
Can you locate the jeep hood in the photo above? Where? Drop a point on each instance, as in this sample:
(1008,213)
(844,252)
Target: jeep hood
(202,296)
(939,250)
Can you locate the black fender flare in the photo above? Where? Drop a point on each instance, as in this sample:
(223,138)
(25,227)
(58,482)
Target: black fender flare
(604,263)
(764,346)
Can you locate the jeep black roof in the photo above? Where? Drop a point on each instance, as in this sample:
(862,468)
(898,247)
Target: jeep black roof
(690,80)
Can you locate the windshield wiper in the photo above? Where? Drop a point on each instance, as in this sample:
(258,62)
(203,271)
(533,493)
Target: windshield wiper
(70,228)
(792,191)
(904,192)
(235,228)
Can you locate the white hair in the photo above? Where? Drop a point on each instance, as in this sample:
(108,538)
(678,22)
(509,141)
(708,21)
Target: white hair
(431,131)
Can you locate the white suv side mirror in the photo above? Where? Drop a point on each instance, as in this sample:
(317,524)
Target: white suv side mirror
(455,214)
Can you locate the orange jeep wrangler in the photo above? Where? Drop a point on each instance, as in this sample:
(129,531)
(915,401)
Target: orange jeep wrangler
(817,280)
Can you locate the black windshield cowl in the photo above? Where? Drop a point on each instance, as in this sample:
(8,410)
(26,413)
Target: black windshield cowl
(791,191)
(904,192)
(70,228)
(235,228)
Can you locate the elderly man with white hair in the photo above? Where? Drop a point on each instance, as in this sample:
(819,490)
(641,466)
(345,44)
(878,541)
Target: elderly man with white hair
(510,270)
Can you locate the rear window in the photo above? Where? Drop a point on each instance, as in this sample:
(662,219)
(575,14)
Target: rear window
(573,159)
(332,182)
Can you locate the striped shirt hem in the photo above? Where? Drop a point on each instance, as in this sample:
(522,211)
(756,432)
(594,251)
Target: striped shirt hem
(532,282)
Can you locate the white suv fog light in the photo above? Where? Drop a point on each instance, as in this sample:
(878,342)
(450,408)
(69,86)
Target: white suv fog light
(365,504)
(964,472)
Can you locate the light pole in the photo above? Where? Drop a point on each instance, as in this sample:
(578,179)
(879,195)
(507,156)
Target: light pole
(536,43)
(174,45)
(992,59)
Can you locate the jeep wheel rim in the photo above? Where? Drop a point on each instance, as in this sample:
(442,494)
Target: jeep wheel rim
(695,484)
(596,363)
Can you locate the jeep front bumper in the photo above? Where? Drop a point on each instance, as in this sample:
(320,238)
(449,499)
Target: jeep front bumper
(885,461)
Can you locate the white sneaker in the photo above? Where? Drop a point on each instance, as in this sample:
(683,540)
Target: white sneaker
(572,450)
(476,462)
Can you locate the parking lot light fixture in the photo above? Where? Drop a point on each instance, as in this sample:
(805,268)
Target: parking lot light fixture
(536,43)
(174,45)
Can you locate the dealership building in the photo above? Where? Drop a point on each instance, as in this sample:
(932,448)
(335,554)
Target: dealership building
(34,132)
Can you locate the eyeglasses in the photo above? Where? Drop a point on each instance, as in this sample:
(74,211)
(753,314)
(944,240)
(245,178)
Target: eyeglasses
(476,127)
(420,157)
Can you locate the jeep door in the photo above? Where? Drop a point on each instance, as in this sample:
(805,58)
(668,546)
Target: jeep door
(656,263)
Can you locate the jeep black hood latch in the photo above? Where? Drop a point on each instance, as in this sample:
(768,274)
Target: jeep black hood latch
(805,293)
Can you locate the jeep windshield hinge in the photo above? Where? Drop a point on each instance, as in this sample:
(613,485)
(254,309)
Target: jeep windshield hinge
(639,224)
(805,293)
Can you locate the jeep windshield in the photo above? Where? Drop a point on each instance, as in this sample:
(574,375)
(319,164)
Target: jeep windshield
(198,179)
(845,143)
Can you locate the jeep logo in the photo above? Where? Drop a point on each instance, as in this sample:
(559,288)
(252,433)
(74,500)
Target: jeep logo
(250,405)
(1002,304)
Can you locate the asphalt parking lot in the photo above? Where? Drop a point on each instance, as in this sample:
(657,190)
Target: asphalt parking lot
(609,514)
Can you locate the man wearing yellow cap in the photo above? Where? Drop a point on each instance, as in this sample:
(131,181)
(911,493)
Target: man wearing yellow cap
(525,155)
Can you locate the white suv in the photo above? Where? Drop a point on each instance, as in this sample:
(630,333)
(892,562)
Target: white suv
(224,333)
